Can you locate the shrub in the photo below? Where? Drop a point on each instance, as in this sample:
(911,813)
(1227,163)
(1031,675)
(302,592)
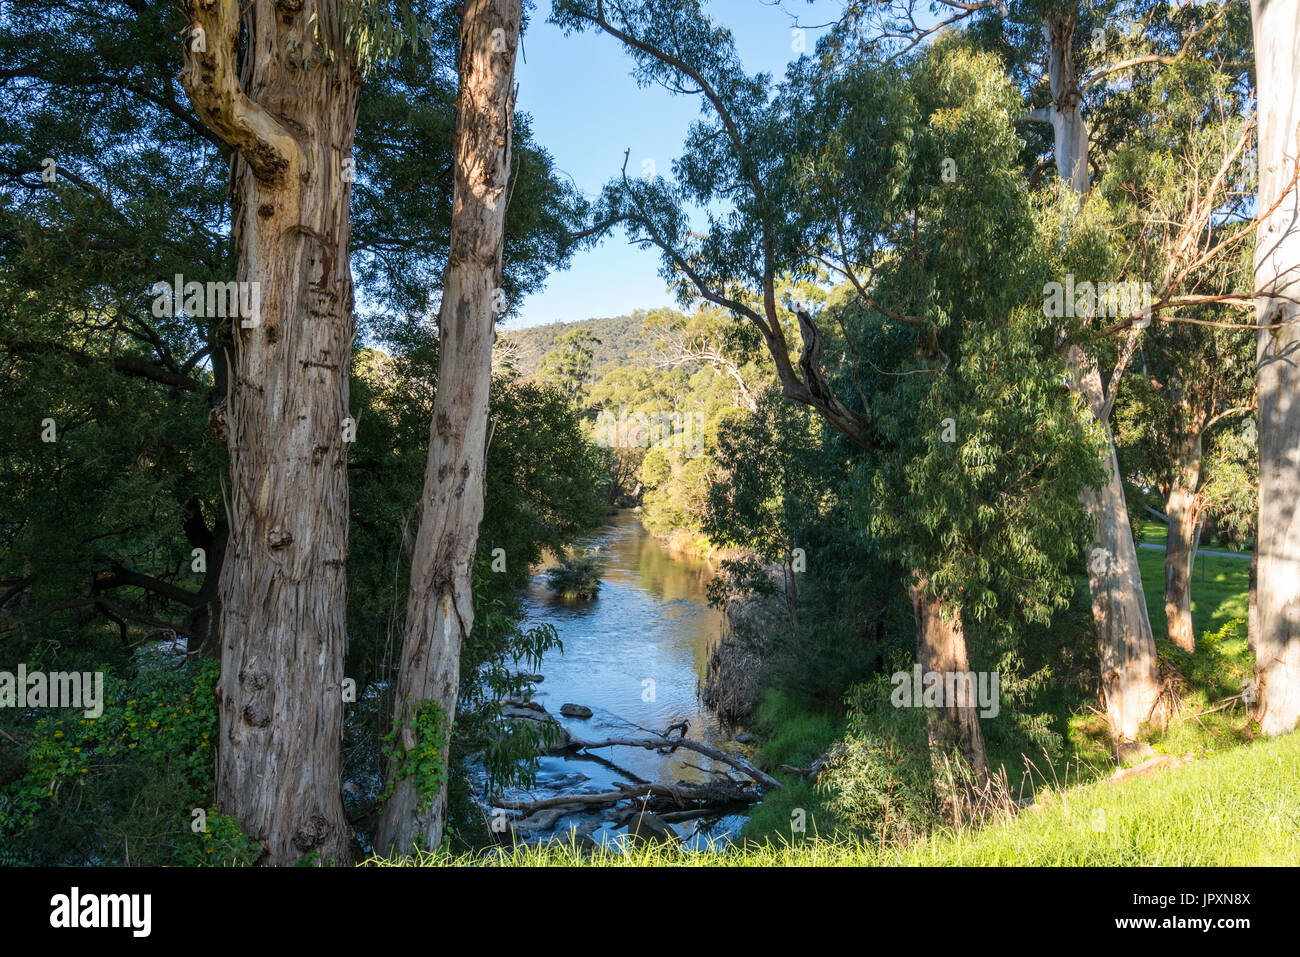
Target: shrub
(577,574)
(880,781)
(122,788)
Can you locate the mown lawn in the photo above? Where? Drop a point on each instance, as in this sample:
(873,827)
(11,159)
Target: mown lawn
(1153,533)
(1220,590)
(1240,807)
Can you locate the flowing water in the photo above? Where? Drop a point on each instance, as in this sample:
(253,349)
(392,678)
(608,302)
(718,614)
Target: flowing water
(635,656)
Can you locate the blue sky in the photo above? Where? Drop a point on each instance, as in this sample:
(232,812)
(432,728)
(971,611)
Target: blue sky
(587,110)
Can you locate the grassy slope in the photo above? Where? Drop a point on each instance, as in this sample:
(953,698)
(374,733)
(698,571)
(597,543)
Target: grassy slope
(1241,807)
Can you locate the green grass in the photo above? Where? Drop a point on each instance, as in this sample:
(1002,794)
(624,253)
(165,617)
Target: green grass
(1153,533)
(1220,590)
(793,735)
(1237,808)
(1241,807)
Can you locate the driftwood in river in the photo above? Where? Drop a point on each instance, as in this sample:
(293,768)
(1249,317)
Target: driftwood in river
(658,742)
(691,797)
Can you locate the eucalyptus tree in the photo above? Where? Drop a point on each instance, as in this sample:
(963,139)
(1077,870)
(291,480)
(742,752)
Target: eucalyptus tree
(439,609)
(1079,64)
(709,337)
(843,169)
(1181,189)
(568,365)
(1277,263)
(279,86)
(1181,432)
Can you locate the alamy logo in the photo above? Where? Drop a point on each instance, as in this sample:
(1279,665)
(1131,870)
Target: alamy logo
(946,689)
(644,429)
(1115,300)
(102,910)
(209,300)
(58,689)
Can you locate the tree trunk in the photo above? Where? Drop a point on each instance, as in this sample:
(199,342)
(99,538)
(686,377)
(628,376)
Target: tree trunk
(1277,278)
(1252,619)
(1182,507)
(791,588)
(941,648)
(1069,129)
(1126,647)
(282,588)
(439,610)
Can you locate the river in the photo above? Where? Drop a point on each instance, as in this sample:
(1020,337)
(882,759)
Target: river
(635,656)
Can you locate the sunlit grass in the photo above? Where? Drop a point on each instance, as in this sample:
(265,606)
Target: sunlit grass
(1220,590)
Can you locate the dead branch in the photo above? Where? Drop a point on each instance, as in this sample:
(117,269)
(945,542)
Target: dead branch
(661,743)
(680,795)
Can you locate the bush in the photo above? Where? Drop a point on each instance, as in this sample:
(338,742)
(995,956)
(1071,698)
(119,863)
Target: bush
(880,780)
(122,788)
(577,574)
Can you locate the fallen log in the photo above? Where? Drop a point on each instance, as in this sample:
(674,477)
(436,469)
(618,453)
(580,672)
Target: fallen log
(659,743)
(679,794)
(816,767)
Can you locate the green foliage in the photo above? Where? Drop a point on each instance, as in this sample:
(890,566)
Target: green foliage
(120,788)
(576,574)
(567,367)
(880,780)
(985,453)
(425,761)
(768,484)
(795,735)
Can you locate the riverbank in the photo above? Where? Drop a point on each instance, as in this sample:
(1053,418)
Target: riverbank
(1238,808)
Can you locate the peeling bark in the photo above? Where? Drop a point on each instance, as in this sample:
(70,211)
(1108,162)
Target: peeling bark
(282,584)
(1069,129)
(439,610)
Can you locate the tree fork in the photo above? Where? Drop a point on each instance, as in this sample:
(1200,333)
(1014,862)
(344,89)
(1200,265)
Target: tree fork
(282,581)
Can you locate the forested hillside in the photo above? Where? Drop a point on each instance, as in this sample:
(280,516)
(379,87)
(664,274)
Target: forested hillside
(619,339)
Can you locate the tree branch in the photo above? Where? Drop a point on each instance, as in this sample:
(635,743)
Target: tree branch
(211,78)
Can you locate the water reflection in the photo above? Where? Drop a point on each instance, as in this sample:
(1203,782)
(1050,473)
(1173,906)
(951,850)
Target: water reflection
(635,656)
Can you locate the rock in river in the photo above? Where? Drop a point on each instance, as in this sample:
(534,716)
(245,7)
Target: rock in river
(575,711)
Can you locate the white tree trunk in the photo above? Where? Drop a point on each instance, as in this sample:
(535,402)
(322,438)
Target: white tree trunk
(1126,647)
(1277,277)
(1069,129)
(439,610)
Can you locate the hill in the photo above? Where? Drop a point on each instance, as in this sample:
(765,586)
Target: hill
(623,340)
